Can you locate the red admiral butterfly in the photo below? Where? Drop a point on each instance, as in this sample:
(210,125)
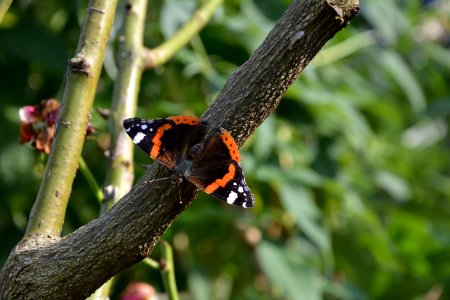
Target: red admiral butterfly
(208,160)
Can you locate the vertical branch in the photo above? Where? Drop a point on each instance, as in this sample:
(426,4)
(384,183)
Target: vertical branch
(47,215)
(119,172)
(4,6)
(133,58)
(90,179)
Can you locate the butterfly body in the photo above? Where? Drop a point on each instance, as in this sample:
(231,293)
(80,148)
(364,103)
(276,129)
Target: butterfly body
(209,160)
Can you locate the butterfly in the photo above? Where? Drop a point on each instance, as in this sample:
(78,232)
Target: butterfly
(209,160)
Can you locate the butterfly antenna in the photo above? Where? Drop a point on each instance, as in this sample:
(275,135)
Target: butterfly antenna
(144,166)
(159,179)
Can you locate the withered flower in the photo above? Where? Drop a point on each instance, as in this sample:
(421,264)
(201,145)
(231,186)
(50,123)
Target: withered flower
(37,124)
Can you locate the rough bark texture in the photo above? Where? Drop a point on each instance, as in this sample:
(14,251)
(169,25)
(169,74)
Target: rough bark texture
(74,266)
(255,89)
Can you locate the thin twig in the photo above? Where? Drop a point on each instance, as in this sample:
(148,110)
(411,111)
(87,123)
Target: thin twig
(90,180)
(168,271)
(161,54)
(119,171)
(152,263)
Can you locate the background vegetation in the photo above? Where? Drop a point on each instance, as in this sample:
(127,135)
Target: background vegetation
(351,175)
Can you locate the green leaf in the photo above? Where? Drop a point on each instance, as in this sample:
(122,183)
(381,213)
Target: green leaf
(290,280)
(265,138)
(386,18)
(298,201)
(396,186)
(404,77)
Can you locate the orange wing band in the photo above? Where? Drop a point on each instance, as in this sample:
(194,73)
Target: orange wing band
(157,140)
(231,145)
(185,120)
(222,181)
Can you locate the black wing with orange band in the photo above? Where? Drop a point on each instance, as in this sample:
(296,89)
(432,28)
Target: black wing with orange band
(165,139)
(214,159)
(216,170)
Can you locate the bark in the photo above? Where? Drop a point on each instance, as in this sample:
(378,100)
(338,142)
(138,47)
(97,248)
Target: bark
(74,266)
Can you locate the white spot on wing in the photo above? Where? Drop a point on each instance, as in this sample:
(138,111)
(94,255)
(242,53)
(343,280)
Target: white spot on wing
(128,129)
(144,126)
(110,192)
(240,189)
(232,197)
(138,137)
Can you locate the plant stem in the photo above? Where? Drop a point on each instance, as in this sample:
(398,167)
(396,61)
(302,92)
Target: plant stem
(90,180)
(102,293)
(205,64)
(168,271)
(4,6)
(119,171)
(152,263)
(161,54)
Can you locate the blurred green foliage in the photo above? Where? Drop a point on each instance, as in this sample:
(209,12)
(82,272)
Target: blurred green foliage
(351,173)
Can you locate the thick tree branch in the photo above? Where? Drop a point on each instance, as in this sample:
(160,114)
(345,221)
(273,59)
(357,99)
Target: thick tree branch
(255,89)
(76,265)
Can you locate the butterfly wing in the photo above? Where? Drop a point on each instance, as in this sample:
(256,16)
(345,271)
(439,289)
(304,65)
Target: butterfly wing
(216,171)
(165,139)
